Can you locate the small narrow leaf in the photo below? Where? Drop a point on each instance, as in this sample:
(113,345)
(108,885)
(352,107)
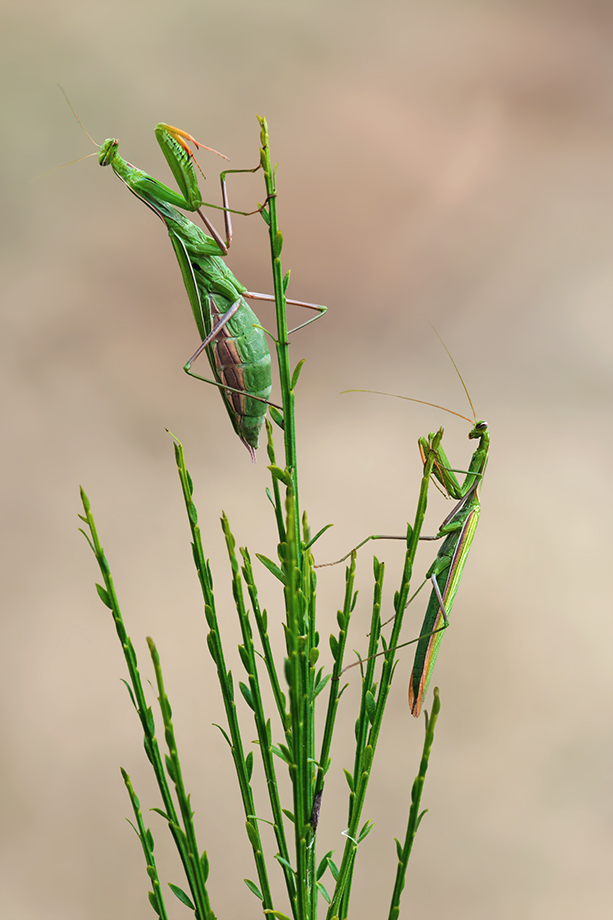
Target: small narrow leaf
(334,646)
(253,835)
(286,279)
(333,868)
(272,567)
(224,733)
(246,694)
(91,545)
(129,688)
(318,535)
(288,814)
(282,475)
(265,216)
(418,822)
(322,890)
(285,863)
(281,752)
(204,863)
(249,764)
(244,653)
(320,686)
(104,597)
(193,514)
(313,656)
(277,417)
(323,864)
(296,374)
(170,768)
(365,830)
(349,779)
(181,895)
(154,902)
(163,814)
(277,244)
(398,848)
(371,707)
(253,888)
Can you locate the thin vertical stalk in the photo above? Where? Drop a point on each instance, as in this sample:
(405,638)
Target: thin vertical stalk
(297,578)
(225,679)
(253,698)
(340,900)
(282,341)
(415,815)
(192,867)
(145,836)
(338,650)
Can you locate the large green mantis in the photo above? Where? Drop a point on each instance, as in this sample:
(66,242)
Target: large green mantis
(230,332)
(457,532)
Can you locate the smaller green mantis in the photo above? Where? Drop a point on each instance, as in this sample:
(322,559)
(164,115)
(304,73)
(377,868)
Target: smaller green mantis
(457,532)
(230,332)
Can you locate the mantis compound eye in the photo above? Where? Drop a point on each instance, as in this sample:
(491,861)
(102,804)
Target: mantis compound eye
(107,151)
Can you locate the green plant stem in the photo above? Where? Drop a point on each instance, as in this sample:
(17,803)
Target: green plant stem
(146,838)
(275,498)
(296,672)
(261,619)
(173,765)
(340,899)
(415,816)
(309,587)
(253,698)
(282,341)
(225,679)
(108,596)
(367,703)
(298,579)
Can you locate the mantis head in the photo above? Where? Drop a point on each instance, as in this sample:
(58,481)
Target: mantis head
(107,151)
(479,430)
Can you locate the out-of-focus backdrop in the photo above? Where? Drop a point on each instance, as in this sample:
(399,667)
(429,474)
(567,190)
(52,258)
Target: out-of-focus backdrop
(440,162)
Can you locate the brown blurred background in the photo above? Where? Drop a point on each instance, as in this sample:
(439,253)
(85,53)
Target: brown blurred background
(441,162)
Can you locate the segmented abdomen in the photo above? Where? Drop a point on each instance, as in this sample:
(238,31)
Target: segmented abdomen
(239,358)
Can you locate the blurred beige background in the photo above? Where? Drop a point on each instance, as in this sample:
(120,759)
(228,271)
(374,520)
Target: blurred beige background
(441,162)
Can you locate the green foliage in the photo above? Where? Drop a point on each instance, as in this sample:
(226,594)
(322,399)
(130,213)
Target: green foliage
(288,742)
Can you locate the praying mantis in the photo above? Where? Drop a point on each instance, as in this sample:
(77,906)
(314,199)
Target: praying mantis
(457,532)
(230,332)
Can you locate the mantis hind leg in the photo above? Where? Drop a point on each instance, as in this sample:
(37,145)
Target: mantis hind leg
(252,295)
